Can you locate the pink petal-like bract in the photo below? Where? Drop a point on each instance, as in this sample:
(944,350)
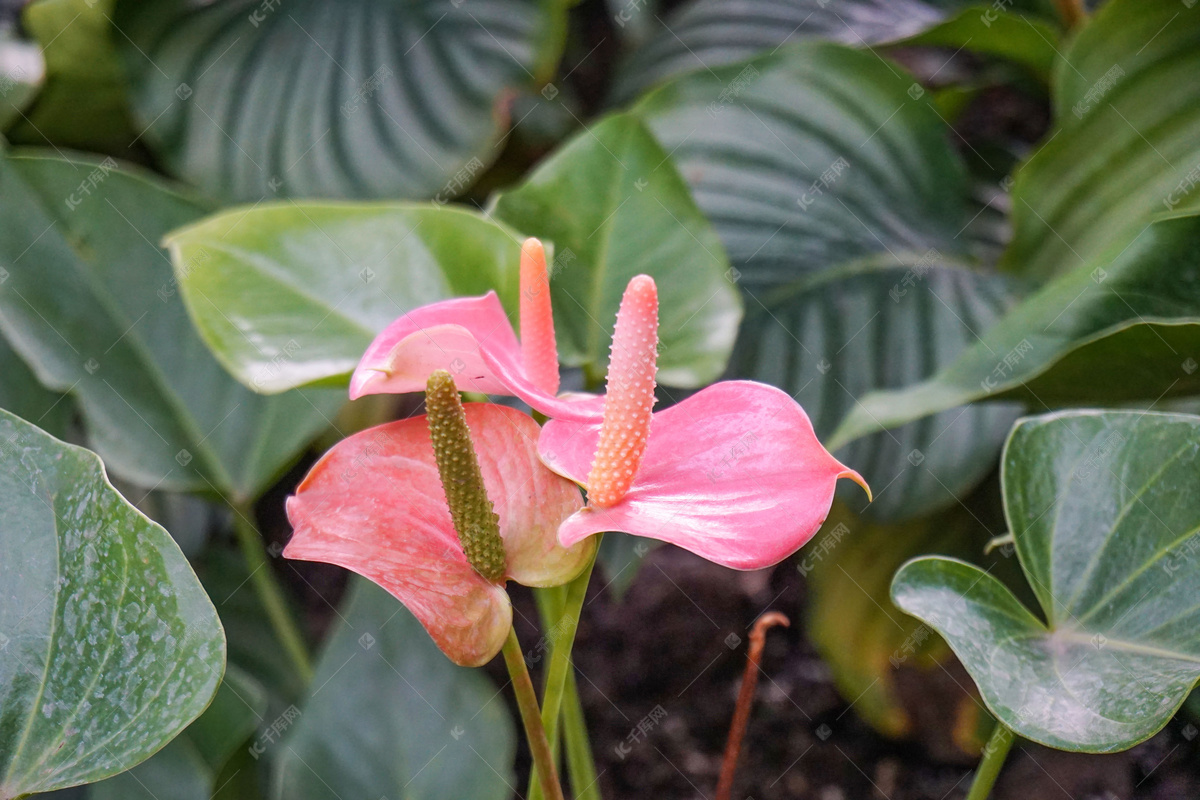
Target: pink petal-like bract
(734,474)
(629,399)
(472,339)
(374,504)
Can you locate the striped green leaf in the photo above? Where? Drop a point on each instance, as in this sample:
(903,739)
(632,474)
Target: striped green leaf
(844,211)
(359,98)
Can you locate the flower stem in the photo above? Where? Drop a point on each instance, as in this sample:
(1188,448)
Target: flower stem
(580,763)
(745,700)
(560,612)
(270,594)
(535,733)
(994,753)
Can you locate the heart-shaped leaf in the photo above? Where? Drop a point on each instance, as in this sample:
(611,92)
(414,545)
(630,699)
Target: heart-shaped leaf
(400,98)
(90,302)
(111,646)
(1127,105)
(1104,511)
(1124,327)
(188,767)
(844,212)
(291,294)
(389,717)
(614,207)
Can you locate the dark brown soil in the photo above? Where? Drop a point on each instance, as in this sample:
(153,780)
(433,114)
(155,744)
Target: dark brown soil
(668,644)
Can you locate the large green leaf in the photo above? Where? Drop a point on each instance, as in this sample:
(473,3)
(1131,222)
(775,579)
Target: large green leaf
(1105,512)
(362,98)
(189,767)
(614,207)
(709,34)
(844,211)
(389,716)
(1124,327)
(83,102)
(1127,106)
(91,304)
(111,647)
(288,294)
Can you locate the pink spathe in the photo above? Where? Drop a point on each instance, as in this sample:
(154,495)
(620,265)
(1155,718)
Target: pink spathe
(472,339)
(374,504)
(734,474)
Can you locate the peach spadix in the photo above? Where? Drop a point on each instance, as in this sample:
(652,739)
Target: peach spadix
(472,337)
(733,473)
(440,511)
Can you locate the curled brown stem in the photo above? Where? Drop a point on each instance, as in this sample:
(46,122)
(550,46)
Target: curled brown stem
(741,714)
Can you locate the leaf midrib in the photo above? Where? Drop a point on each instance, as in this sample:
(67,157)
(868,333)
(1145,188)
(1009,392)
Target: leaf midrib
(1075,636)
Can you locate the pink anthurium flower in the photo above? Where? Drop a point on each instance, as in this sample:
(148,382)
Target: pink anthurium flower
(375,504)
(734,473)
(473,339)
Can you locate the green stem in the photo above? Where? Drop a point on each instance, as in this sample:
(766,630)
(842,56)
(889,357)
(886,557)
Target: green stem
(535,733)
(580,763)
(994,753)
(270,594)
(560,620)
(550,603)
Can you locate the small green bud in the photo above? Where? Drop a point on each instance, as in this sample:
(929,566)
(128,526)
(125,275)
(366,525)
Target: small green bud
(475,519)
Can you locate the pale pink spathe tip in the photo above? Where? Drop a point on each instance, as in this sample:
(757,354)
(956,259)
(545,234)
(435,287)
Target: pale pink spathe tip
(362,381)
(629,401)
(539,350)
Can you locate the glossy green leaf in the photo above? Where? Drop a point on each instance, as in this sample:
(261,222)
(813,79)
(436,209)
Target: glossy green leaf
(1125,327)
(360,99)
(1127,105)
(83,102)
(111,647)
(1104,510)
(189,767)
(91,304)
(291,294)
(389,716)
(844,212)
(614,207)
